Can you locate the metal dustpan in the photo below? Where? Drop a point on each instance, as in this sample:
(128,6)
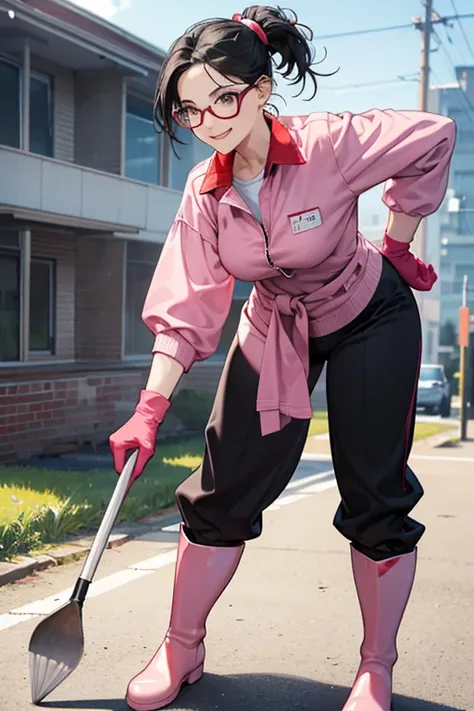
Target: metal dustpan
(57,644)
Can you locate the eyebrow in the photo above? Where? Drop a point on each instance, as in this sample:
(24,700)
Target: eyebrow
(222,86)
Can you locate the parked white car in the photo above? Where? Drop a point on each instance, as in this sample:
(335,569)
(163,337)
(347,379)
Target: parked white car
(434,390)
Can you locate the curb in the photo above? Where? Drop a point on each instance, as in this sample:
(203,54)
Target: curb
(77,548)
(449,438)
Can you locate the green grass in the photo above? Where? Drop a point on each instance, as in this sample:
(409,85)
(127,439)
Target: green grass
(319,425)
(39,506)
(429,429)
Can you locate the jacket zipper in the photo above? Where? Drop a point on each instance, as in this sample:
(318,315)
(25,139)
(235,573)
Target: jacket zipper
(270,262)
(288,275)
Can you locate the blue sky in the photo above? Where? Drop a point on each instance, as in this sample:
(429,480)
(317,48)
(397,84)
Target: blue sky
(363,59)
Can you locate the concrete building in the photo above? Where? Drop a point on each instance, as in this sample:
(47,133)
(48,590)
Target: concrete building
(451,230)
(88,191)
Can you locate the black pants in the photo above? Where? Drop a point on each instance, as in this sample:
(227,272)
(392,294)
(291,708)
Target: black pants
(372,375)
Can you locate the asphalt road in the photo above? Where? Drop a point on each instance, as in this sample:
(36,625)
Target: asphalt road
(285,635)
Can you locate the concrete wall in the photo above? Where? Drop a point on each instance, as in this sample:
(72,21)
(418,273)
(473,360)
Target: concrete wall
(99,299)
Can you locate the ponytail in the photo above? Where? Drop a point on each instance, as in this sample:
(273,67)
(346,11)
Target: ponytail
(234,49)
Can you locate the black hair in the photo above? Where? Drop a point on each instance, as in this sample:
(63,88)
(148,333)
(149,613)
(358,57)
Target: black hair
(233,49)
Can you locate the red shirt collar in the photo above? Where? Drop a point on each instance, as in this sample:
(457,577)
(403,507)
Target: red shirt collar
(282,151)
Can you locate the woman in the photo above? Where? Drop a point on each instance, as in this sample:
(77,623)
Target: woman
(276,205)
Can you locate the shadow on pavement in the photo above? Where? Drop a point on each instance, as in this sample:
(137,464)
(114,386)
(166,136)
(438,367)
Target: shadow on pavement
(258,692)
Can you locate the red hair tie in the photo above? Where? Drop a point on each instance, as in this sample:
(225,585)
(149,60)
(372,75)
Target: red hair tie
(252,25)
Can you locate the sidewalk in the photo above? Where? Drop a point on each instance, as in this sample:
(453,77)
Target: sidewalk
(286,632)
(459,449)
(77,548)
(431,445)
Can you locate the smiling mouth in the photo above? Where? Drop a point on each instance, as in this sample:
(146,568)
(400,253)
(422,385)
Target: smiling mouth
(221,135)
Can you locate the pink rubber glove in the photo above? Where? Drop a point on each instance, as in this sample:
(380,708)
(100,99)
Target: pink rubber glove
(139,432)
(415,272)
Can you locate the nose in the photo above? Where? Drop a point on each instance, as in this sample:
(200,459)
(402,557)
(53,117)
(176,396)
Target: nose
(209,120)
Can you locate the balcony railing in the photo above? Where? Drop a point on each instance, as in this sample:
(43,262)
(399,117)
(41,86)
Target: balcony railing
(67,190)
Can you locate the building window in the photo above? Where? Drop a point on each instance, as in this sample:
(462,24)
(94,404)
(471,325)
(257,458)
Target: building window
(141,261)
(460,270)
(465,139)
(42,305)
(428,355)
(9,307)
(41,109)
(41,114)
(193,152)
(142,143)
(10,113)
(464,187)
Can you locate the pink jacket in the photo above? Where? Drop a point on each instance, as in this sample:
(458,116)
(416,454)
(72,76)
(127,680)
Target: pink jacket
(317,167)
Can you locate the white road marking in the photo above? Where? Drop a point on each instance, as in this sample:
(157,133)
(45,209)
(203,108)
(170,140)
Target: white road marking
(308,479)
(285,500)
(174,528)
(321,486)
(305,486)
(8,620)
(48,605)
(116,580)
(45,605)
(433,457)
(309,457)
(159,561)
(299,484)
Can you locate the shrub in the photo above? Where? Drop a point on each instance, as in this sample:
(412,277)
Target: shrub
(41,506)
(193,408)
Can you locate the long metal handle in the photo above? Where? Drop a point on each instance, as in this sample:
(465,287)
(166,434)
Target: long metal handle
(102,536)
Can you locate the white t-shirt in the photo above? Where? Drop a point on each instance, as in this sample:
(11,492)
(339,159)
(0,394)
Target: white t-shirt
(249,191)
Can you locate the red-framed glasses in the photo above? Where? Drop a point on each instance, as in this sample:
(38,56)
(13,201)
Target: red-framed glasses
(226,106)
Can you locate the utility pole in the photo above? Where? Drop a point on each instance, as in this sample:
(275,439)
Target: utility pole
(425,55)
(425,25)
(463,358)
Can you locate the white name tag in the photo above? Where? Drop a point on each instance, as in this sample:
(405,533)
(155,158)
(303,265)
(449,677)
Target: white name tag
(302,221)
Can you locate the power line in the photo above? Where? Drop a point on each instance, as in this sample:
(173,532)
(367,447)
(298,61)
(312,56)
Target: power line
(363,32)
(394,27)
(461,27)
(395,80)
(459,47)
(418,24)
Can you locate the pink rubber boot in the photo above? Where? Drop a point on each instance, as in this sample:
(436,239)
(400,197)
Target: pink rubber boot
(201,576)
(383,589)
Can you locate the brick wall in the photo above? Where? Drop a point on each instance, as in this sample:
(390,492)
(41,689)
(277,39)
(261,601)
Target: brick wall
(64,107)
(99,299)
(89,295)
(99,117)
(51,414)
(61,248)
(40,416)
